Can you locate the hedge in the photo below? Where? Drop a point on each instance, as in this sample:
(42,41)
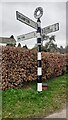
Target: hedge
(19,65)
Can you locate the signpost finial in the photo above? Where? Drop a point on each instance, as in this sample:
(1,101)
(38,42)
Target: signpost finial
(38,12)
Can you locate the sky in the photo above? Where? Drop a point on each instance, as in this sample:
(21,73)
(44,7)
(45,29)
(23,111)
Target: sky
(53,12)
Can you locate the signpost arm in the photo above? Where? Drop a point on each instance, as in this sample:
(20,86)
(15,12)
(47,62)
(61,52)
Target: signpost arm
(39,69)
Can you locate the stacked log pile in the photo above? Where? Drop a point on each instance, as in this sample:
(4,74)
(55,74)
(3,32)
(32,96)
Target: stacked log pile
(19,65)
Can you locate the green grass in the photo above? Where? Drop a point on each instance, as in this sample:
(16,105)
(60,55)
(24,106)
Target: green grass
(23,103)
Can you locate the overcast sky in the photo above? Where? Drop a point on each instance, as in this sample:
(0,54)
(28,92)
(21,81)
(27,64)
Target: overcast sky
(53,12)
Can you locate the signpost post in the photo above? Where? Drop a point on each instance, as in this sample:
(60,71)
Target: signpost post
(39,69)
(40,34)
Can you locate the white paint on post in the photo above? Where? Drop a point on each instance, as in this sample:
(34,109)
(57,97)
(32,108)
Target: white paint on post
(39,24)
(39,72)
(39,87)
(39,43)
(38,35)
(39,56)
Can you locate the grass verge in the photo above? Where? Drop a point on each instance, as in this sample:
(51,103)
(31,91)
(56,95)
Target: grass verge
(23,103)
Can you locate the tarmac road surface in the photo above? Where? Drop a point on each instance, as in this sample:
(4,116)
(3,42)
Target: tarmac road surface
(60,114)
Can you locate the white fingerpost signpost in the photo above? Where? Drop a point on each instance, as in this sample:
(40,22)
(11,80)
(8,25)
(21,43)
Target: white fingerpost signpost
(40,34)
(38,14)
